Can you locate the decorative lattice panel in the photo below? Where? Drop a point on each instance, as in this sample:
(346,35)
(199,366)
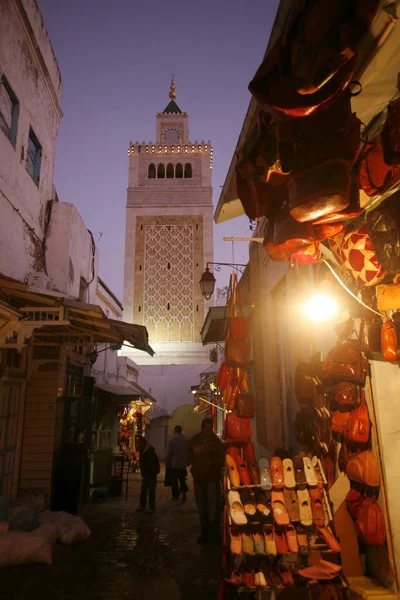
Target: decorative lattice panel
(169,282)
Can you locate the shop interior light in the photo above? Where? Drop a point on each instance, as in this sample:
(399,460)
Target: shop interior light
(321,308)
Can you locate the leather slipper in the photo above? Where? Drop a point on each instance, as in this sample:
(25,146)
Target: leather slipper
(262,582)
(317,507)
(288,471)
(278,480)
(302,539)
(291,536)
(314,572)
(242,470)
(269,540)
(305,508)
(319,471)
(328,537)
(236,509)
(233,473)
(247,543)
(292,505)
(301,481)
(263,501)
(259,545)
(265,474)
(280,541)
(311,476)
(249,505)
(254,473)
(286,575)
(236,541)
(235,578)
(279,508)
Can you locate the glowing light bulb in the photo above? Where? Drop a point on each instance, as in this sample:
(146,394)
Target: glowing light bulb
(320,308)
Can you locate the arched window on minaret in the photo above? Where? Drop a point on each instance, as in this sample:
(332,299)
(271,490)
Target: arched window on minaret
(188,170)
(160,171)
(170,171)
(179,171)
(151,173)
(171,137)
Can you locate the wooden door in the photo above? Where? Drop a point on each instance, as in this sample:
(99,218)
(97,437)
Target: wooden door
(10,394)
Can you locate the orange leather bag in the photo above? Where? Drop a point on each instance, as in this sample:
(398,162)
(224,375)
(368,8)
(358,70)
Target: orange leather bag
(339,419)
(364,468)
(237,343)
(345,362)
(357,427)
(347,394)
(370,523)
(389,341)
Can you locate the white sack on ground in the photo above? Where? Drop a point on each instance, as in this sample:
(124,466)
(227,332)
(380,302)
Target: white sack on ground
(70,529)
(19,548)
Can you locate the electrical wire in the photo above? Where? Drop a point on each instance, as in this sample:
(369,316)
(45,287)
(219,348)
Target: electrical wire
(347,289)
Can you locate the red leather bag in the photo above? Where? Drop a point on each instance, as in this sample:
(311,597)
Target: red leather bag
(391,134)
(354,500)
(345,362)
(223,376)
(237,428)
(370,523)
(237,343)
(389,341)
(376,176)
(347,394)
(246,406)
(357,428)
(339,419)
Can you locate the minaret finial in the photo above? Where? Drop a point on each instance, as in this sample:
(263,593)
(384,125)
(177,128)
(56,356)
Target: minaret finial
(172,92)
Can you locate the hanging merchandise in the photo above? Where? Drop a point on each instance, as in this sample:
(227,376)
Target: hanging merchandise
(383,225)
(370,523)
(388,296)
(370,334)
(364,468)
(237,343)
(391,134)
(259,198)
(389,342)
(223,376)
(355,252)
(345,362)
(376,176)
(246,405)
(347,394)
(357,426)
(237,428)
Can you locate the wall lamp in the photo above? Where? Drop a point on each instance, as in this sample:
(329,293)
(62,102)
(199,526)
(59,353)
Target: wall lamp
(207,280)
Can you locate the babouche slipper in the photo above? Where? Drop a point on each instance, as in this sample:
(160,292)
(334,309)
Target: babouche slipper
(280,541)
(327,535)
(302,538)
(288,471)
(292,505)
(311,476)
(247,543)
(265,474)
(269,540)
(233,473)
(249,504)
(259,545)
(291,536)
(317,506)
(278,480)
(263,501)
(236,541)
(306,517)
(235,578)
(236,509)
(242,470)
(279,508)
(301,481)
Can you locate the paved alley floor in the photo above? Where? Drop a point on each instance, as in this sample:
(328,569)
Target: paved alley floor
(129,555)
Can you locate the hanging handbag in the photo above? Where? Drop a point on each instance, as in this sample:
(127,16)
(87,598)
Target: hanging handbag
(383,225)
(223,376)
(364,468)
(357,427)
(370,523)
(339,419)
(391,134)
(237,345)
(376,176)
(259,198)
(390,346)
(354,500)
(246,405)
(370,334)
(345,362)
(347,394)
(388,297)
(237,428)
(305,383)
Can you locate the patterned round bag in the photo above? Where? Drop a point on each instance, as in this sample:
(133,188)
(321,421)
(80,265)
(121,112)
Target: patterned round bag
(354,250)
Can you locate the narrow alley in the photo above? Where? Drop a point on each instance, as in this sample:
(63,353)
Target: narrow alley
(129,555)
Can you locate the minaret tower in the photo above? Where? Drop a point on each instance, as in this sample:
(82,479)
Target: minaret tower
(169,239)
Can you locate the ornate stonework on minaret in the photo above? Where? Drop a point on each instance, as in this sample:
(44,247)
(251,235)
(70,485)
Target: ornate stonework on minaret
(169,237)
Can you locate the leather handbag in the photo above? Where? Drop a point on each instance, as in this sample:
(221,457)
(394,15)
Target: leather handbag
(347,394)
(391,134)
(237,428)
(376,176)
(364,468)
(388,296)
(305,383)
(223,376)
(259,198)
(383,225)
(246,405)
(237,345)
(354,500)
(345,362)
(370,334)
(390,346)
(370,523)
(358,426)
(339,419)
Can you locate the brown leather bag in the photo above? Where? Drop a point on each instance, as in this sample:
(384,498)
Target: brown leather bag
(364,468)
(345,362)
(237,347)
(370,334)
(347,394)
(358,426)
(237,428)
(389,342)
(305,382)
(339,419)
(370,523)
(246,405)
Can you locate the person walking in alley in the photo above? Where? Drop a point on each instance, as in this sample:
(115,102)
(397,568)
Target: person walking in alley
(149,469)
(207,457)
(176,462)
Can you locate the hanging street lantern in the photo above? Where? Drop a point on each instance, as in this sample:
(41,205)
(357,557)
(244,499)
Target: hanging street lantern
(207,284)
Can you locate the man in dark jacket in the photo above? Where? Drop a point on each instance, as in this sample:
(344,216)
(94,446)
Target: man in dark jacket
(207,457)
(176,462)
(149,469)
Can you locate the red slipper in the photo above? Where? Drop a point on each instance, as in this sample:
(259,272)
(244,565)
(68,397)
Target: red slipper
(276,466)
(280,541)
(327,535)
(243,471)
(291,537)
(317,507)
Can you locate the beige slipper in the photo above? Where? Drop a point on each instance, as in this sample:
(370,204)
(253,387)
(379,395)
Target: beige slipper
(233,473)
(306,517)
(288,472)
(236,508)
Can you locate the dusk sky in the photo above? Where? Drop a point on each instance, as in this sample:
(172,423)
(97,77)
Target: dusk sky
(116,60)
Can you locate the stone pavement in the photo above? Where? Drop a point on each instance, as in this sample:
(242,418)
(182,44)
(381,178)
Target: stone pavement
(129,555)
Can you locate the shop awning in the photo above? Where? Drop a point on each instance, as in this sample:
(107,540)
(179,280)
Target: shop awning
(377,72)
(48,317)
(125,393)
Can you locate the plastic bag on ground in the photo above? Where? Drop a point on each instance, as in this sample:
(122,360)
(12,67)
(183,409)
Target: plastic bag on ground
(19,548)
(70,528)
